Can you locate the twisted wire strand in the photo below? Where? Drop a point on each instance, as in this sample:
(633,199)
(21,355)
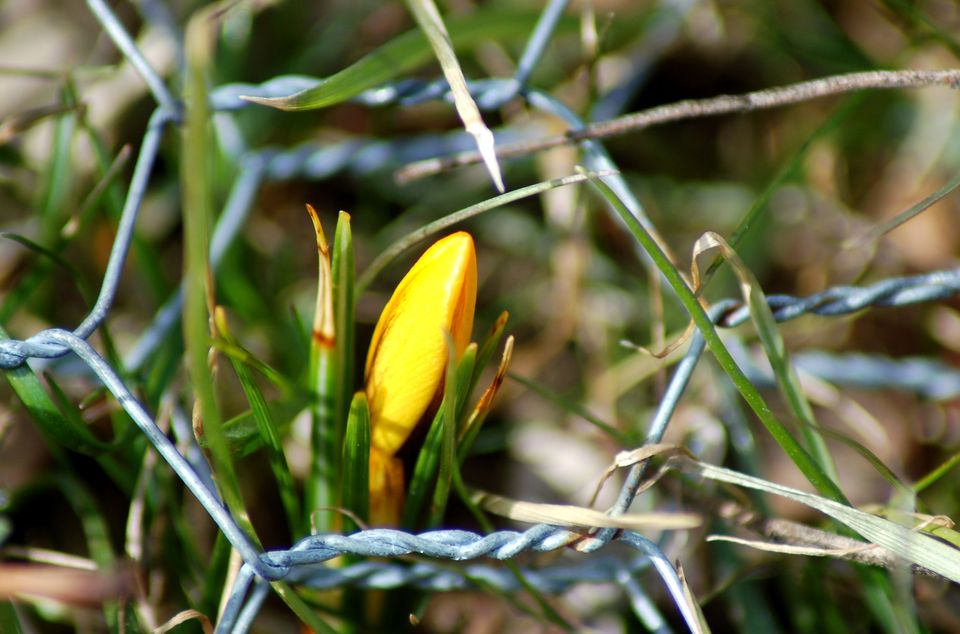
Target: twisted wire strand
(843,300)
(427,575)
(302,560)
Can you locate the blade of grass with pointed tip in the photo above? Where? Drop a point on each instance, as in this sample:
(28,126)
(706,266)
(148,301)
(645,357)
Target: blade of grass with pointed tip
(337,384)
(936,473)
(486,351)
(241,355)
(59,175)
(424,472)
(797,454)
(427,15)
(269,434)
(773,346)
(343,272)
(469,429)
(355,492)
(73,272)
(243,437)
(405,53)
(79,220)
(886,227)
(322,486)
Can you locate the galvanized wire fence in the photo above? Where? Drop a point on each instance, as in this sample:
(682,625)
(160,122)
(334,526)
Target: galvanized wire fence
(304,562)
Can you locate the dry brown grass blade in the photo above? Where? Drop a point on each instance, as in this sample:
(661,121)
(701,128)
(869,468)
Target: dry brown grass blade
(579,516)
(67,585)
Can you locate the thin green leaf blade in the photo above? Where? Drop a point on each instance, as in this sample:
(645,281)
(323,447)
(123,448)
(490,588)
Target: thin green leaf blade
(55,426)
(355,493)
(268,432)
(404,53)
(448,438)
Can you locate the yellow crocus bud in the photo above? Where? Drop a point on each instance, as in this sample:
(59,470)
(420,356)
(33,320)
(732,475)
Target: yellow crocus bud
(408,353)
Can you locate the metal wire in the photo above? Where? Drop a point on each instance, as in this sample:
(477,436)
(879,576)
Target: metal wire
(304,562)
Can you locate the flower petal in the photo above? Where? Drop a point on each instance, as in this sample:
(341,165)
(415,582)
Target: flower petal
(407,358)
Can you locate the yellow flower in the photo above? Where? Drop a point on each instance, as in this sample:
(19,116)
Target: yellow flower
(408,358)
(408,353)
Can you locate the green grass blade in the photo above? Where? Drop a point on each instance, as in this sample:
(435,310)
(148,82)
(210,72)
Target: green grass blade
(424,472)
(54,425)
(448,438)
(344,297)
(465,373)
(773,346)
(241,431)
(196,176)
(53,256)
(936,473)
(405,53)
(269,433)
(355,494)
(425,469)
(797,454)
(59,176)
(9,621)
(244,357)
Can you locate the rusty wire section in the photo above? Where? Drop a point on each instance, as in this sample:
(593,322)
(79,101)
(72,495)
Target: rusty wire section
(303,563)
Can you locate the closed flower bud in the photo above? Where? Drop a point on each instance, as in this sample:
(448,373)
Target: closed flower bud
(408,353)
